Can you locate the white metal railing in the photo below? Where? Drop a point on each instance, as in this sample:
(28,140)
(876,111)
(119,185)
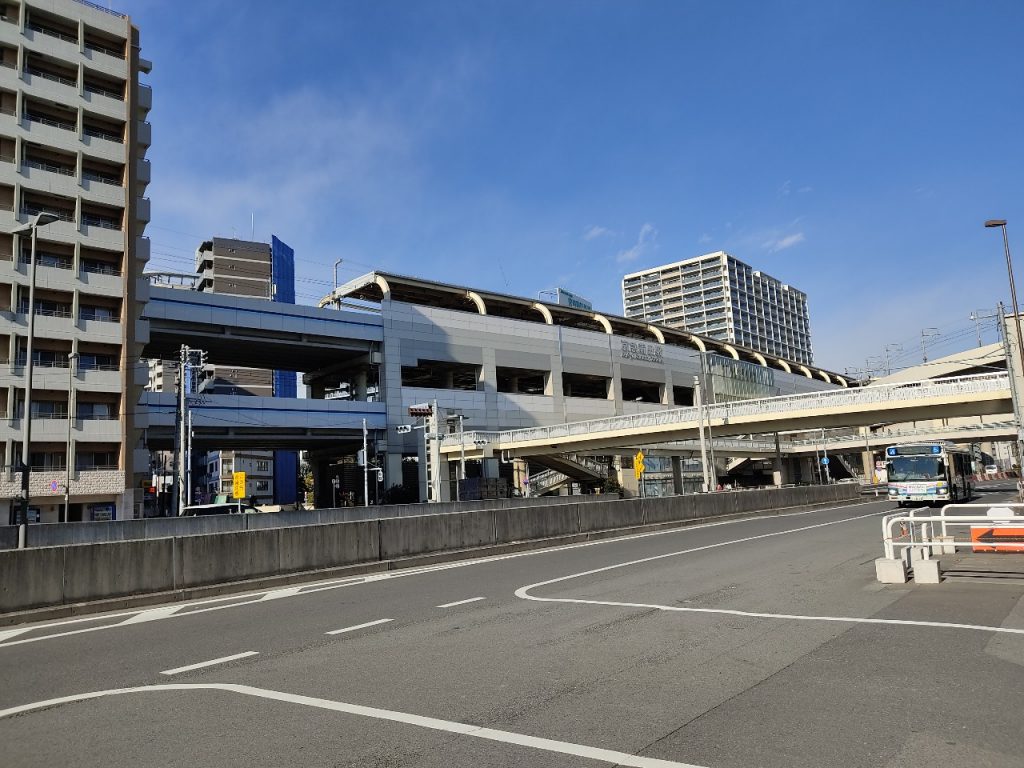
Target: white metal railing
(830,399)
(917,528)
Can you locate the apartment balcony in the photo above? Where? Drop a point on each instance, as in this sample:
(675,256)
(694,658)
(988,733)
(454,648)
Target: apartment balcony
(144,134)
(109,284)
(46,131)
(94,430)
(106,331)
(101,59)
(106,379)
(143,211)
(51,42)
(104,103)
(142,249)
(103,235)
(40,85)
(143,171)
(145,97)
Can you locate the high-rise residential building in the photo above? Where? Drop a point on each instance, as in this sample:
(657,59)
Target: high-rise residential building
(717,295)
(254,270)
(73,140)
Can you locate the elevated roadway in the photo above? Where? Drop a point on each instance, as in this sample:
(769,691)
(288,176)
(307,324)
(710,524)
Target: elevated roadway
(236,421)
(256,333)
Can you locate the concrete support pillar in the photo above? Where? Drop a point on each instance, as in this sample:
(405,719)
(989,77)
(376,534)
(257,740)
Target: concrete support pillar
(520,476)
(627,478)
(779,474)
(867,460)
(677,476)
(392,469)
(359,385)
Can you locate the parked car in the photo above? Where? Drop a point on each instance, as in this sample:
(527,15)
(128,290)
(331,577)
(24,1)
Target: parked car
(991,469)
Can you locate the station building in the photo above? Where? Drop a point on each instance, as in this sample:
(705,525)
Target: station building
(492,361)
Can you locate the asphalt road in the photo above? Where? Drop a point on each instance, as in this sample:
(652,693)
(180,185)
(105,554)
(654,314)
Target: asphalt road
(759,642)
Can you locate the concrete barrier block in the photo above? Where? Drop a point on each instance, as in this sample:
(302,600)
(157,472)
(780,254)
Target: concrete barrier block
(8,537)
(403,536)
(227,557)
(112,569)
(525,523)
(59,534)
(30,578)
(622,513)
(927,572)
(310,547)
(947,546)
(890,571)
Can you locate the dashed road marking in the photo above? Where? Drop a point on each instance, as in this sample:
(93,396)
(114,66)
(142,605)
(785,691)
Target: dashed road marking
(462,602)
(357,626)
(210,663)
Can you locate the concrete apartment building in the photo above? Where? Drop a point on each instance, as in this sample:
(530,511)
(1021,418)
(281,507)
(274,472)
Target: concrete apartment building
(719,296)
(253,270)
(73,139)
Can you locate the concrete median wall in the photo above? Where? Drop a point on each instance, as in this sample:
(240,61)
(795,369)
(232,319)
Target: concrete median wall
(51,576)
(57,534)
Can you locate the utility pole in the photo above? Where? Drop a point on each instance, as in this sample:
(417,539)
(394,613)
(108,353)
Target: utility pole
(366,468)
(72,359)
(179,427)
(700,429)
(926,333)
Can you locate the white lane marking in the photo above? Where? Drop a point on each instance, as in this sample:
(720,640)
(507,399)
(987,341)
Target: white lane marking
(461,602)
(152,615)
(210,663)
(7,634)
(523,592)
(432,723)
(358,626)
(242,599)
(277,594)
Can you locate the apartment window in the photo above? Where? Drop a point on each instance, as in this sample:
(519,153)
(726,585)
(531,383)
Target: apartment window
(263,485)
(262,465)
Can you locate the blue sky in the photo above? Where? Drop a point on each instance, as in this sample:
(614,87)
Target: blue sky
(851,149)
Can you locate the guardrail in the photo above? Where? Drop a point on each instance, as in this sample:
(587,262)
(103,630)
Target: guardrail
(833,399)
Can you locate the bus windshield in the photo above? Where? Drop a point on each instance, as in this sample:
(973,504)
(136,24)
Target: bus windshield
(903,468)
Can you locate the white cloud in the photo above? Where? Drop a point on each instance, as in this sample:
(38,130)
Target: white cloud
(704,239)
(785,188)
(595,232)
(779,244)
(646,240)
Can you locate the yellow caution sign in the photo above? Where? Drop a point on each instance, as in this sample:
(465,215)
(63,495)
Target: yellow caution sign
(638,464)
(238,483)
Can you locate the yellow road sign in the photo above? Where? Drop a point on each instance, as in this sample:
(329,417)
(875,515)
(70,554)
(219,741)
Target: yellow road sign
(238,483)
(638,464)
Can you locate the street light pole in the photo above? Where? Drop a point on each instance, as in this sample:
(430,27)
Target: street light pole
(1001,224)
(72,359)
(41,219)
(336,297)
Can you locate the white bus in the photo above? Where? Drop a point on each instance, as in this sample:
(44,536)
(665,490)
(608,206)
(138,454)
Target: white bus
(928,473)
